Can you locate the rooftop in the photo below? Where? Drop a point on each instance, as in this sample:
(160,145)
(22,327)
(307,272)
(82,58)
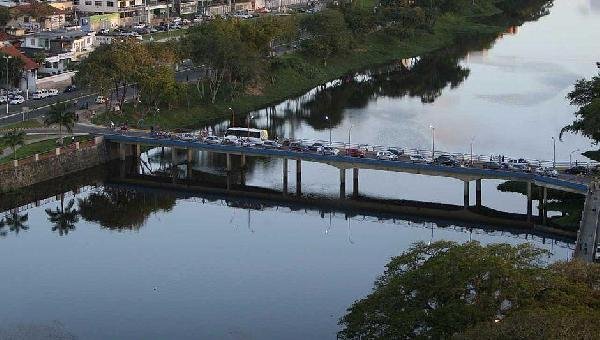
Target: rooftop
(28,63)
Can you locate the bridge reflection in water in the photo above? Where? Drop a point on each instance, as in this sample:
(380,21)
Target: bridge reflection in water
(185,182)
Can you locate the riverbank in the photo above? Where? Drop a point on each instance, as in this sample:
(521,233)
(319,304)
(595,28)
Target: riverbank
(296,73)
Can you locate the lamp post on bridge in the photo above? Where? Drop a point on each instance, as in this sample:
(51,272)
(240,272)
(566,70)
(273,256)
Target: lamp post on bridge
(349,130)
(571,157)
(472,140)
(554,153)
(329,123)
(432,142)
(232,117)
(248,124)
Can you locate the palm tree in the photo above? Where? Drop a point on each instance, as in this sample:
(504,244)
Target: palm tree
(13,139)
(64,218)
(2,232)
(16,222)
(60,115)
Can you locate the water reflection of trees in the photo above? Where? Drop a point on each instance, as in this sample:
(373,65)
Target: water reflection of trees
(121,209)
(63,218)
(15,222)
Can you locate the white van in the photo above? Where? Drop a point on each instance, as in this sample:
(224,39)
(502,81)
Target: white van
(40,94)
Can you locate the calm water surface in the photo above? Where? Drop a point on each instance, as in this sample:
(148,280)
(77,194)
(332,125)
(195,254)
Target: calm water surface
(142,266)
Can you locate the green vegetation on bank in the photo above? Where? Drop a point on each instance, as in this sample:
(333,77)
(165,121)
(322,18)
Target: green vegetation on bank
(28,124)
(40,147)
(245,75)
(468,291)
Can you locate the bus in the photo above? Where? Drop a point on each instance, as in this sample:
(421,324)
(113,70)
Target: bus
(254,134)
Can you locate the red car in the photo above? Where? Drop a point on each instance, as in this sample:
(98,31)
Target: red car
(353,152)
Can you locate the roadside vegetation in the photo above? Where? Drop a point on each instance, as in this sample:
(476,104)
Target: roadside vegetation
(25,150)
(468,291)
(586,97)
(249,64)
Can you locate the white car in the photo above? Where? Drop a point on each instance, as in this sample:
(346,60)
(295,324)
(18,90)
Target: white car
(53,92)
(3,99)
(100,100)
(386,155)
(17,100)
(212,140)
(139,26)
(417,159)
(270,144)
(40,94)
(331,151)
(544,171)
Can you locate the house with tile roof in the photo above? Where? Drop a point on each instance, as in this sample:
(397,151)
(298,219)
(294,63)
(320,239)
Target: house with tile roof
(29,73)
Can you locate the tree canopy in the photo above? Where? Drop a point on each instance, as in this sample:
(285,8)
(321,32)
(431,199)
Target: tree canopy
(446,289)
(586,97)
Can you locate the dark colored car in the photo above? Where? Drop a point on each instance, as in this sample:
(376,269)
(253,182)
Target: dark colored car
(294,146)
(70,88)
(577,170)
(316,147)
(446,160)
(492,166)
(354,152)
(396,151)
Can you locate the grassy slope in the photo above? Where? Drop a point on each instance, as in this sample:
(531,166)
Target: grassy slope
(307,73)
(38,147)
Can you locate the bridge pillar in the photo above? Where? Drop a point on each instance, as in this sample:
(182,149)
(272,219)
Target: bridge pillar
(243,161)
(466,194)
(138,150)
(190,161)
(342,183)
(122,151)
(529,203)
(478,193)
(228,163)
(173,156)
(545,206)
(355,182)
(285,176)
(298,177)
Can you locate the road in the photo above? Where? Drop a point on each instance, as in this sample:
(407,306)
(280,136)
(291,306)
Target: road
(38,108)
(589,229)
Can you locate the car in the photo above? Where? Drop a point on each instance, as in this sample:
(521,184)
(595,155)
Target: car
(386,155)
(100,100)
(577,170)
(3,99)
(297,146)
(597,255)
(397,152)
(519,162)
(139,26)
(231,141)
(212,140)
(104,31)
(354,152)
(417,159)
(270,144)
(39,94)
(330,150)
(446,160)
(492,165)
(544,171)
(70,88)
(17,100)
(53,92)
(316,147)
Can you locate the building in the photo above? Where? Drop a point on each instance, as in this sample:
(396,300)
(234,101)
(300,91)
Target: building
(30,67)
(36,16)
(186,8)
(78,43)
(130,11)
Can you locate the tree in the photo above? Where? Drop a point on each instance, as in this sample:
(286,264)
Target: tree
(60,115)
(232,61)
(16,222)
(446,289)
(329,34)
(5,16)
(63,218)
(14,69)
(586,96)
(13,139)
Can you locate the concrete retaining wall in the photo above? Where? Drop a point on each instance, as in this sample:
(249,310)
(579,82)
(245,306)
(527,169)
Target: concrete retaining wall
(41,169)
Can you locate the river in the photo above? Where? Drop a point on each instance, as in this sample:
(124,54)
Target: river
(141,264)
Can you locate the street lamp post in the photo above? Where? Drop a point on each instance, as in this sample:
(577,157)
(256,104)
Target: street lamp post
(248,124)
(349,130)
(472,140)
(554,153)
(329,123)
(571,157)
(6,57)
(232,117)
(432,141)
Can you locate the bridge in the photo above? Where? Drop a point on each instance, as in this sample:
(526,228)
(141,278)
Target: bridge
(129,144)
